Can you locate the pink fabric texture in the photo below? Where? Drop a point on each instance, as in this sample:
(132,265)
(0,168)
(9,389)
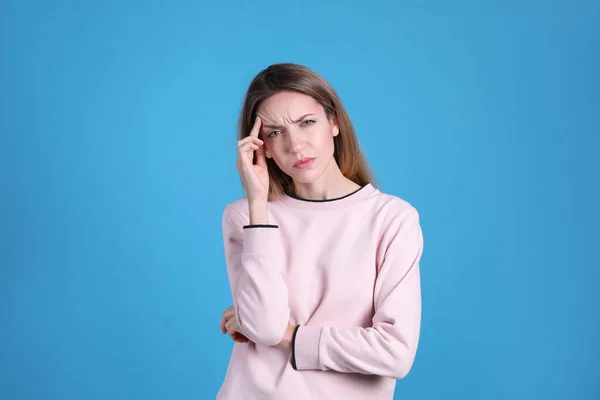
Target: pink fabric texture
(347,271)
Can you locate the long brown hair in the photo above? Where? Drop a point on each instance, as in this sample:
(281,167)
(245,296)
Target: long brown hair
(297,78)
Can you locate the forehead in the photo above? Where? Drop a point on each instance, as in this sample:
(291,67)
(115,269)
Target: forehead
(289,105)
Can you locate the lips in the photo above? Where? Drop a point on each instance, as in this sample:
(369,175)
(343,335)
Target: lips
(305,162)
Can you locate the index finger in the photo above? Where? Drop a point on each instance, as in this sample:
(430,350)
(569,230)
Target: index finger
(256,127)
(228,312)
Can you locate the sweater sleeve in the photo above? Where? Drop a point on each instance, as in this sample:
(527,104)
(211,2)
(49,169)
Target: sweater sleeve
(388,347)
(254,258)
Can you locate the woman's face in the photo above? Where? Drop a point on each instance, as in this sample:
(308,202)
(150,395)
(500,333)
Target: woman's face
(294,128)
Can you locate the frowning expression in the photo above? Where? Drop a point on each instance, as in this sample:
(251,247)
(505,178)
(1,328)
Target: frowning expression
(298,135)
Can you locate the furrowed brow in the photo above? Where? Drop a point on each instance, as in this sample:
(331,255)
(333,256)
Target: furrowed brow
(281,126)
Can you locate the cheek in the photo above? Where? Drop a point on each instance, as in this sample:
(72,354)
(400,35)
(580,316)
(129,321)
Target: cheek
(269,147)
(325,141)
(274,150)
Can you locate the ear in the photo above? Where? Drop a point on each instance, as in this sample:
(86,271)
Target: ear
(268,154)
(334,125)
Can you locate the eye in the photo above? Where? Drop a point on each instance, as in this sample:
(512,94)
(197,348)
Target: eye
(306,122)
(272,134)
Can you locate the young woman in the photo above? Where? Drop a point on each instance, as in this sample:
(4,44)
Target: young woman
(323,267)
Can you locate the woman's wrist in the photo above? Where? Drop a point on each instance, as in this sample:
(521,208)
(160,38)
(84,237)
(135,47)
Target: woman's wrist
(286,342)
(258,212)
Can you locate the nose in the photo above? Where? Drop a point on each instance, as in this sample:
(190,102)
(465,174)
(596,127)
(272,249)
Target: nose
(295,142)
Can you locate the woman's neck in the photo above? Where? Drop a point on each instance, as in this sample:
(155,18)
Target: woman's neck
(324,189)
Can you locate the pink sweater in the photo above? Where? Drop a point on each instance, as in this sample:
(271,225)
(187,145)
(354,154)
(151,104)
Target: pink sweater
(346,271)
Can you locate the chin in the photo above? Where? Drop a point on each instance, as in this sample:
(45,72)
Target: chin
(303,180)
(307,176)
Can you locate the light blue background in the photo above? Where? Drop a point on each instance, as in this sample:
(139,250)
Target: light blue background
(118,156)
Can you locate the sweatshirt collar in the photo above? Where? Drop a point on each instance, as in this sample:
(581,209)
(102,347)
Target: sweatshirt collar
(329,204)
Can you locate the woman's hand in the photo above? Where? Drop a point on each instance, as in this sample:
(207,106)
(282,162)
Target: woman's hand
(255,177)
(229,325)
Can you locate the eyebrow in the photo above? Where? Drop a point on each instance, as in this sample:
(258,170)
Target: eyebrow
(296,121)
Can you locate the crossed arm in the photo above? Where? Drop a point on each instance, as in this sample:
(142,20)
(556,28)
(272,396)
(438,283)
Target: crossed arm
(261,313)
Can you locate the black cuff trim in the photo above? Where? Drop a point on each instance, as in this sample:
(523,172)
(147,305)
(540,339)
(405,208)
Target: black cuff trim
(260,226)
(294,348)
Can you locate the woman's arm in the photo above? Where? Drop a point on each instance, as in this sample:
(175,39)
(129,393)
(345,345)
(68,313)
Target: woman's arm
(254,258)
(388,347)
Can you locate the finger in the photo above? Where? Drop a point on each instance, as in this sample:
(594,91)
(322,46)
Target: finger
(224,323)
(233,328)
(224,320)
(227,315)
(229,311)
(230,325)
(256,128)
(261,158)
(249,139)
(247,149)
